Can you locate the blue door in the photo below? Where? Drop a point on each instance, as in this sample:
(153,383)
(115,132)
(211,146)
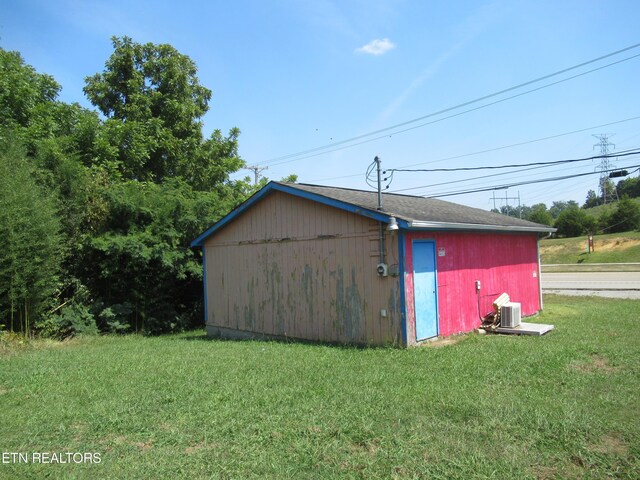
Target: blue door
(425,289)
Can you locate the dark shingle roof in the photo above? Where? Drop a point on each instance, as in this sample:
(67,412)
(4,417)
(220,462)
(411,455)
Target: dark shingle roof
(409,211)
(420,210)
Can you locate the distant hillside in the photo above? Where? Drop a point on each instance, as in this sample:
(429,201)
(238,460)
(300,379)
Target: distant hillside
(611,248)
(610,207)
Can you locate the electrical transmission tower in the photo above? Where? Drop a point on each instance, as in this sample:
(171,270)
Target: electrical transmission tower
(607,189)
(506,198)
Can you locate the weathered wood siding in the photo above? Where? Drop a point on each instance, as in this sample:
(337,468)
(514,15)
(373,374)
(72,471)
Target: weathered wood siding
(291,267)
(502,262)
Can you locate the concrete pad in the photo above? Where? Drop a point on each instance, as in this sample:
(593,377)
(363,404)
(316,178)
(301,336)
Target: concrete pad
(526,329)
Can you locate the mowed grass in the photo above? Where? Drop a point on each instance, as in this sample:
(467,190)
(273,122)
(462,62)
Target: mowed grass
(565,405)
(610,248)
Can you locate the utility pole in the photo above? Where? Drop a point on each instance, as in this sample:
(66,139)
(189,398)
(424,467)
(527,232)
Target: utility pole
(608,194)
(377,160)
(381,227)
(256,171)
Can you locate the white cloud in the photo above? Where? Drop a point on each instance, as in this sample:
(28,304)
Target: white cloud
(376,47)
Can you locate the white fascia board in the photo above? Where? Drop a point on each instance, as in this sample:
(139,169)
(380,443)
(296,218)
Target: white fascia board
(475,226)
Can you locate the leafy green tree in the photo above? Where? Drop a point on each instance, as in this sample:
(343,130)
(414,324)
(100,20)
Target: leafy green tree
(540,214)
(62,145)
(30,242)
(607,189)
(141,267)
(592,200)
(23,91)
(573,222)
(629,187)
(154,103)
(292,178)
(537,213)
(560,206)
(124,195)
(30,109)
(626,216)
(169,185)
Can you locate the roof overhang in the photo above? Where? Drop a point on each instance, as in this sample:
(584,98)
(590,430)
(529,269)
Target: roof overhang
(279,187)
(380,216)
(421,225)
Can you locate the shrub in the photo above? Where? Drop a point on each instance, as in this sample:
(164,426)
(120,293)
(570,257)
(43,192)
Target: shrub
(113,318)
(626,217)
(73,319)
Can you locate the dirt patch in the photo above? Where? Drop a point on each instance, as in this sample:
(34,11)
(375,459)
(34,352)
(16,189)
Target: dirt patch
(3,391)
(546,249)
(615,244)
(597,363)
(570,470)
(195,448)
(611,444)
(443,342)
(545,473)
(123,440)
(370,446)
(142,445)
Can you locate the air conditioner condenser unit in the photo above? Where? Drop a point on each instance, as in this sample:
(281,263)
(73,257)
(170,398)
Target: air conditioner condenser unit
(510,315)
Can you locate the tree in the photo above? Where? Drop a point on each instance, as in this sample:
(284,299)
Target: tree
(30,241)
(607,189)
(292,178)
(573,222)
(154,103)
(124,195)
(140,267)
(592,200)
(626,216)
(22,90)
(560,206)
(170,185)
(629,187)
(540,214)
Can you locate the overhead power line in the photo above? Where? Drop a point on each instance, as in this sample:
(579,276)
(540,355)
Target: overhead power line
(438,120)
(536,166)
(503,147)
(471,179)
(305,153)
(517,184)
(623,153)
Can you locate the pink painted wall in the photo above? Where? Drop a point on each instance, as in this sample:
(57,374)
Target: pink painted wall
(502,262)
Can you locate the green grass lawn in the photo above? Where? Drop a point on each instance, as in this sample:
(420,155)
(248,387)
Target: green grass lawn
(565,405)
(610,248)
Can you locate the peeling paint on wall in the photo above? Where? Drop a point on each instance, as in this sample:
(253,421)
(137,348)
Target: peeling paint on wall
(309,293)
(319,284)
(349,307)
(249,309)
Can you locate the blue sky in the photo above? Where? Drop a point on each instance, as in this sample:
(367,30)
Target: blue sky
(298,75)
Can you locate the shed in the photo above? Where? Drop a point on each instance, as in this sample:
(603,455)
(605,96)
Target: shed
(325,264)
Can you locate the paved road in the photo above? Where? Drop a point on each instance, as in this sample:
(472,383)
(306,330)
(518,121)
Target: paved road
(605,284)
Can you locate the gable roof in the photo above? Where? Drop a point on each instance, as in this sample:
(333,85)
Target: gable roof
(410,212)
